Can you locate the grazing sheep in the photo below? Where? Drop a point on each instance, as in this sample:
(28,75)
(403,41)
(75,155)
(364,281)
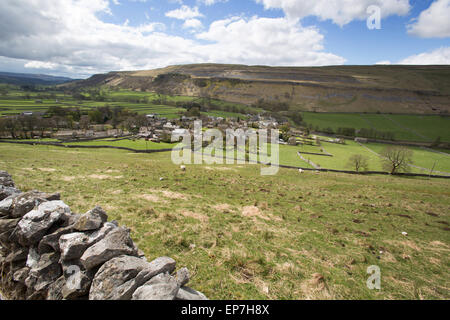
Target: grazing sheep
(300,170)
(183,168)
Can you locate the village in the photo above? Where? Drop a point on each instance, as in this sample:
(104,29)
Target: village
(152,127)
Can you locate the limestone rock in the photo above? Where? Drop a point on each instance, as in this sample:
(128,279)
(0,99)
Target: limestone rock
(91,220)
(32,258)
(116,243)
(26,202)
(115,278)
(73,245)
(182,276)
(161,265)
(6,205)
(6,192)
(55,289)
(8,224)
(44,273)
(118,278)
(35,223)
(6,179)
(76,285)
(21,275)
(186,293)
(160,287)
(50,242)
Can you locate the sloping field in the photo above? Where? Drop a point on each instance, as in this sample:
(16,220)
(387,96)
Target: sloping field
(247,236)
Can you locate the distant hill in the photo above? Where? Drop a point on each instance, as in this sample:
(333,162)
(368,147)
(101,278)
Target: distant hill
(381,88)
(31,79)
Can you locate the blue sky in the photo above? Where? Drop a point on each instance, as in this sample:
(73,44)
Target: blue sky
(82,37)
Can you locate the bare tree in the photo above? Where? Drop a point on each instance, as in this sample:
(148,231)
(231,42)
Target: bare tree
(358,162)
(396,159)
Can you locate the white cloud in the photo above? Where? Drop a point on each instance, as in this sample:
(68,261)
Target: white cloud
(340,12)
(436,57)
(40,65)
(267,41)
(384,62)
(210,2)
(433,22)
(68,37)
(184,13)
(193,24)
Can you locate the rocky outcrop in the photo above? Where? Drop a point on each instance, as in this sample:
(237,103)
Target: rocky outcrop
(49,252)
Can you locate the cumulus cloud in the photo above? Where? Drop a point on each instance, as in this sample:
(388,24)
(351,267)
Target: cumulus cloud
(184,13)
(68,37)
(210,2)
(439,56)
(193,24)
(433,22)
(267,41)
(341,12)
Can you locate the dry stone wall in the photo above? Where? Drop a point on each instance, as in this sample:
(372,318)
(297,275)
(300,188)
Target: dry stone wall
(49,252)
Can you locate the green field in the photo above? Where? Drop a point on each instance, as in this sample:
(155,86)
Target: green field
(342,153)
(137,144)
(247,236)
(423,160)
(140,102)
(422,128)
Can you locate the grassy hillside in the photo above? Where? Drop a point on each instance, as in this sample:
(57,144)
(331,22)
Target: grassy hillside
(245,236)
(387,89)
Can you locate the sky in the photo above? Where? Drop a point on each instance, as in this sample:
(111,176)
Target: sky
(79,38)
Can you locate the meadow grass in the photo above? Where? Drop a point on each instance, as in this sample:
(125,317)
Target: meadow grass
(247,236)
(424,128)
(140,144)
(421,157)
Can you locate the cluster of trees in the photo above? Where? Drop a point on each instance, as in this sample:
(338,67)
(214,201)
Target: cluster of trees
(363,132)
(24,127)
(274,106)
(375,134)
(27,126)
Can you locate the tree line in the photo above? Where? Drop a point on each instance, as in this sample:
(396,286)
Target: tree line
(56,118)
